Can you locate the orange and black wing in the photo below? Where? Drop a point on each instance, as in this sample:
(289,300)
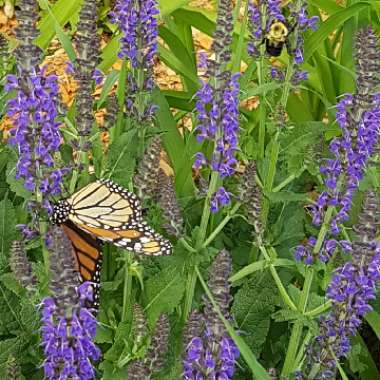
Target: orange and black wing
(138,237)
(87,254)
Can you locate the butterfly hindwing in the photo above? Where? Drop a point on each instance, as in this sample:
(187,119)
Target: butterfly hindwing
(138,237)
(87,254)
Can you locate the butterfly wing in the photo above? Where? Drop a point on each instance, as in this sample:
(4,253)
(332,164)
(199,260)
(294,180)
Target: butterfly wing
(105,205)
(138,237)
(110,213)
(87,254)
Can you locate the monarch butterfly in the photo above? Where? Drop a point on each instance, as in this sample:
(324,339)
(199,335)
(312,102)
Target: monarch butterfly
(105,211)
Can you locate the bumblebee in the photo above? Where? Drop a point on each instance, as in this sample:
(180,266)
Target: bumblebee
(277,37)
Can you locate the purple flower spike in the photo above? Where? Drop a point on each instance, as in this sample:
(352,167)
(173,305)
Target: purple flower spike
(274,11)
(137,21)
(68,322)
(209,351)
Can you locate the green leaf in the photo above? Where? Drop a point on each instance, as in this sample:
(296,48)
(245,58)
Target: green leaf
(63,11)
(121,161)
(181,53)
(163,292)
(29,318)
(287,196)
(111,372)
(361,361)
(171,60)
(10,282)
(253,305)
(111,79)
(9,310)
(7,228)
(63,38)
(328,26)
(327,5)
(180,156)
(103,334)
(373,319)
(13,346)
(168,6)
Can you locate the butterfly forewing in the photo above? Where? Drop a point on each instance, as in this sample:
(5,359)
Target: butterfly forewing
(105,205)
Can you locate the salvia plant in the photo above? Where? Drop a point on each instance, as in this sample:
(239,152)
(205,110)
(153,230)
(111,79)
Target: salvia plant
(189,190)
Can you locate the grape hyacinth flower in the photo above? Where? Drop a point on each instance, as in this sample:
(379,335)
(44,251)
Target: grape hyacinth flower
(68,323)
(351,289)
(137,21)
(358,116)
(217,107)
(33,108)
(210,353)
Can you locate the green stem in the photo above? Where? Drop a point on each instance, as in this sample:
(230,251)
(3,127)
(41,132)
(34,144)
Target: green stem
(221,225)
(187,245)
(117,130)
(192,276)
(277,280)
(319,310)
(298,326)
(127,287)
(269,180)
(262,66)
(286,181)
(45,252)
(206,211)
(287,85)
(73,181)
(190,289)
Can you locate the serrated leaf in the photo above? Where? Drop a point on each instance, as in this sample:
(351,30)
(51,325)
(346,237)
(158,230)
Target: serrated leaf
(7,228)
(111,372)
(163,292)
(9,311)
(103,335)
(252,308)
(121,158)
(13,346)
(29,316)
(10,282)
